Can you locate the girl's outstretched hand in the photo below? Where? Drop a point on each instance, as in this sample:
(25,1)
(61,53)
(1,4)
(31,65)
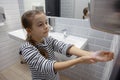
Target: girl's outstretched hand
(103,56)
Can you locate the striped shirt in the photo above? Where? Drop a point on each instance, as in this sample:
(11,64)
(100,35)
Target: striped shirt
(42,68)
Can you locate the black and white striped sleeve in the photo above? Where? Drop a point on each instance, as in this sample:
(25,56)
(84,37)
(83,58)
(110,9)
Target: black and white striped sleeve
(36,60)
(60,46)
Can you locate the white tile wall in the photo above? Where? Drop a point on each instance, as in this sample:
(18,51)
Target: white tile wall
(8,47)
(67,8)
(97,40)
(21,6)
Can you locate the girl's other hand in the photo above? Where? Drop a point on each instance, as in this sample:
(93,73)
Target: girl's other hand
(103,56)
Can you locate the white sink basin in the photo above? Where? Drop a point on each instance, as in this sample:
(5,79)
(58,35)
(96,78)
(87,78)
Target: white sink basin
(77,41)
(20,36)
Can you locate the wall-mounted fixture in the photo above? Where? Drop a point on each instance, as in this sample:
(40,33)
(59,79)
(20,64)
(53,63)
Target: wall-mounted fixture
(2,16)
(105,16)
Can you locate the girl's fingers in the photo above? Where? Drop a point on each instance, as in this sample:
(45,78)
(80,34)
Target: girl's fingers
(108,55)
(111,55)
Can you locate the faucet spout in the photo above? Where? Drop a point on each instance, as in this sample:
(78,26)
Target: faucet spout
(64,33)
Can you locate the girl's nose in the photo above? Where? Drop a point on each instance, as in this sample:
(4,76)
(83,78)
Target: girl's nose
(46,26)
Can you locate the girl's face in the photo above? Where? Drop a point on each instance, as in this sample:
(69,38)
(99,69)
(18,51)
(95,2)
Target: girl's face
(39,27)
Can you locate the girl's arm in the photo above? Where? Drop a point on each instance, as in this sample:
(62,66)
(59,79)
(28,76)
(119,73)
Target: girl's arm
(78,52)
(101,56)
(69,49)
(66,64)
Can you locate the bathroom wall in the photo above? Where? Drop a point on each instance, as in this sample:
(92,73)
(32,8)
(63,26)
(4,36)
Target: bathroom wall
(67,8)
(28,4)
(97,40)
(8,47)
(21,7)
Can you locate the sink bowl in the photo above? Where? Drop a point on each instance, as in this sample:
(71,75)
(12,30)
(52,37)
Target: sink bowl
(77,41)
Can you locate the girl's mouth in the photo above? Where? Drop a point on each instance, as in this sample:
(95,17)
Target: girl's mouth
(46,32)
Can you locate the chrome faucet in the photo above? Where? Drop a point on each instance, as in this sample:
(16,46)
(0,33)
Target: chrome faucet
(64,31)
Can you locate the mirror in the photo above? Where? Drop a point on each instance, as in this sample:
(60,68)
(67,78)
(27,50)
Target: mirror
(68,8)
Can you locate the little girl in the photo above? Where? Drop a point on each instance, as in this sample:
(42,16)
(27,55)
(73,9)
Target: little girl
(38,50)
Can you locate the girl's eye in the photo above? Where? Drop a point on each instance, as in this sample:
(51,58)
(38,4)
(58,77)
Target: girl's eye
(46,22)
(39,25)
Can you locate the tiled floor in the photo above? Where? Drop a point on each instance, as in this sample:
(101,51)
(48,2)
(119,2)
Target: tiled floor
(19,72)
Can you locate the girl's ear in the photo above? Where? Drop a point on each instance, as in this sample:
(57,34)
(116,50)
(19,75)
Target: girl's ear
(28,30)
